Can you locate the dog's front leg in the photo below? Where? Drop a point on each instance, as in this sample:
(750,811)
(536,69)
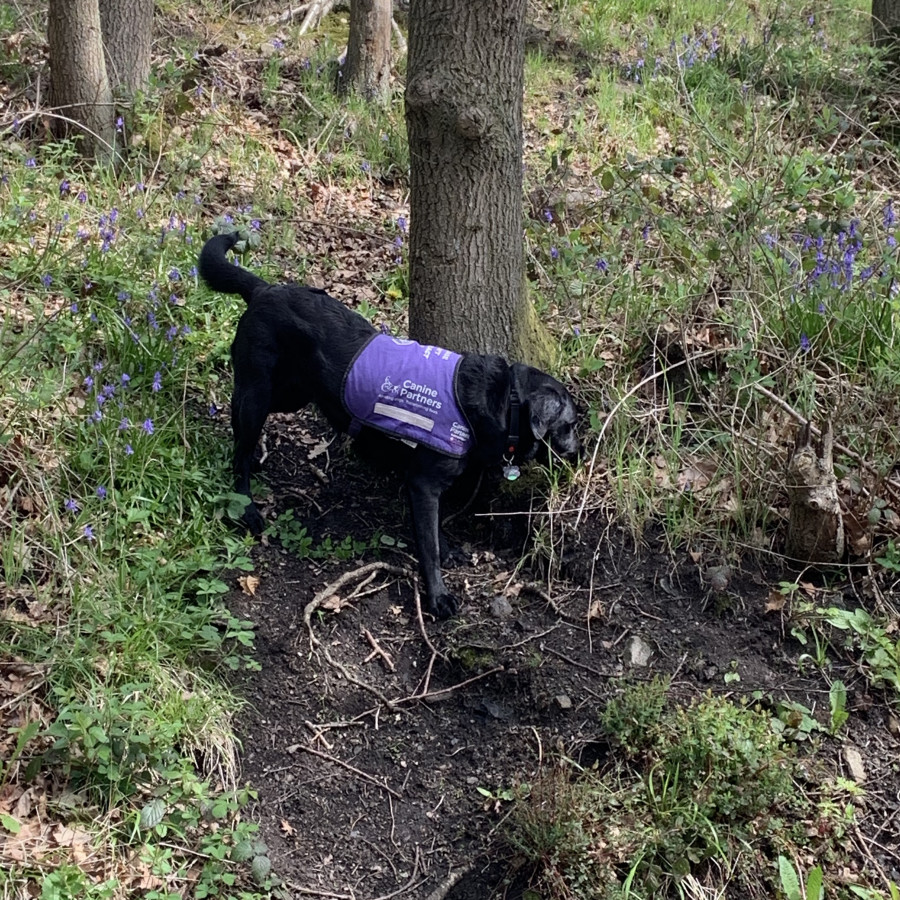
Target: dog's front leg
(424,500)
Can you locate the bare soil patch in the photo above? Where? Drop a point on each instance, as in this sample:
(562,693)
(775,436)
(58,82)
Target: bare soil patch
(367,789)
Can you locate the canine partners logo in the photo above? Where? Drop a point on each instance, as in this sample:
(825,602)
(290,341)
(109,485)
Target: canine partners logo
(388,388)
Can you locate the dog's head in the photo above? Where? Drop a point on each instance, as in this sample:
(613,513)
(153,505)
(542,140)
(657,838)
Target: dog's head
(553,416)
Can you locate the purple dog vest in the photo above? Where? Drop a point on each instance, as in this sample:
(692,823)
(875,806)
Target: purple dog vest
(408,391)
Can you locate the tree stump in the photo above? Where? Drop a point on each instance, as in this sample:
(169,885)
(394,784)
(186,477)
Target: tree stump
(816,528)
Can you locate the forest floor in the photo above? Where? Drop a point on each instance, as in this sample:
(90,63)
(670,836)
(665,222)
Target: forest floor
(372,787)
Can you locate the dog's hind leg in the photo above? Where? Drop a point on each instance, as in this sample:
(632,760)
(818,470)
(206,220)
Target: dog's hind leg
(249,409)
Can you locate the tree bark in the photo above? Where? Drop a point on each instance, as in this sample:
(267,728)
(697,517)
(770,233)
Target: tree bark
(816,527)
(79,86)
(367,69)
(465,77)
(127,27)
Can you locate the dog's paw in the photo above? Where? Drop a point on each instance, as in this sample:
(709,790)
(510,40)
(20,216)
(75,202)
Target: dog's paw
(443,606)
(254,521)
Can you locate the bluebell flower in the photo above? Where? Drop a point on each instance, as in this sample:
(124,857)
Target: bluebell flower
(46,280)
(64,187)
(148,426)
(88,533)
(804,343)
(101,492)
(401,223)
(72,505)
(157,382)
(129,450)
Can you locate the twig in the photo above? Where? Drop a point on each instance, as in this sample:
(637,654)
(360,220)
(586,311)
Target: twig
(409,884)
(541,594)
(317,734)
(339,762)
(328,591)
(312,892)
(331,589)
(378,651)
(287,16)
(455,687)
(318,9)
(574,662)
(447,885)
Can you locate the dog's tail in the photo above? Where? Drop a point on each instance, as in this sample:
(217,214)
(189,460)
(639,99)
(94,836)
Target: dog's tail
(222,275)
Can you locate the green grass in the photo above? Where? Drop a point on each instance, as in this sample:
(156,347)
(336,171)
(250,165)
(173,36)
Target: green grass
(688,793)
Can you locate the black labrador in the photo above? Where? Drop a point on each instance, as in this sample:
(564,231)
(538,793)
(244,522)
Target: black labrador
(294,345)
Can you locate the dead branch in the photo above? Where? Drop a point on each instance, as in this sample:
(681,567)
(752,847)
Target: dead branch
(447,885)
(377,650)
(328,591)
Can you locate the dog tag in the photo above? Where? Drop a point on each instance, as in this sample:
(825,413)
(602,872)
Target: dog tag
(510,473)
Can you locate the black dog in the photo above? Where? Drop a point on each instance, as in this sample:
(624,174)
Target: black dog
(295,345)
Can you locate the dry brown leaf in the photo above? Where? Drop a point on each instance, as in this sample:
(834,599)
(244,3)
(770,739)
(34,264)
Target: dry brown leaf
(286,827)
(776,601)
(249,584)
(335,603)
(596,610)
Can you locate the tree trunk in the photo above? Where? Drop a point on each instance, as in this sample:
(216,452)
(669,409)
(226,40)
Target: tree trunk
(464,119)
(816,527)
(127,31)
(79,87)
(368,66)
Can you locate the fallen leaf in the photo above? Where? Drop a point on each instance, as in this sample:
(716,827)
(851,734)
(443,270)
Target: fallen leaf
(249,584)
(776,601)
(596,610)
(335,603)
(286,827)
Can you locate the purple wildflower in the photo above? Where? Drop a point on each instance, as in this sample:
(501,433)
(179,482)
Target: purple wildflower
(89,533)
(401,223)
(554,253)
(64,187)
(129,450)
(601,265)
(72,505)
(157,382)
(46,280)
(804,343)
(148,426)
(101,492)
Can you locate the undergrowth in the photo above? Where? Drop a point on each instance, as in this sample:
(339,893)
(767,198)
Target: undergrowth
(702,797)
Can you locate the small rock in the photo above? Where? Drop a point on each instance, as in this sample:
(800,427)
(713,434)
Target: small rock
(639,651)
(854,761)
(718,577)
(501,608)
(564,701)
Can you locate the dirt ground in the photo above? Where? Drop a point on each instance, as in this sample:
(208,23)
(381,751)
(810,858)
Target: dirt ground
(368,733)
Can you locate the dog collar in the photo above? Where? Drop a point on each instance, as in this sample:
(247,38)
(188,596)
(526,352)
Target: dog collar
(510,471)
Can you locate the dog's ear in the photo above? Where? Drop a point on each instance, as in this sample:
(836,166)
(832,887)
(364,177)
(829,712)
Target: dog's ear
(547,405)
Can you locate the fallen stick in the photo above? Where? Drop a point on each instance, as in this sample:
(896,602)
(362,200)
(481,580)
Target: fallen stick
(339,762)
